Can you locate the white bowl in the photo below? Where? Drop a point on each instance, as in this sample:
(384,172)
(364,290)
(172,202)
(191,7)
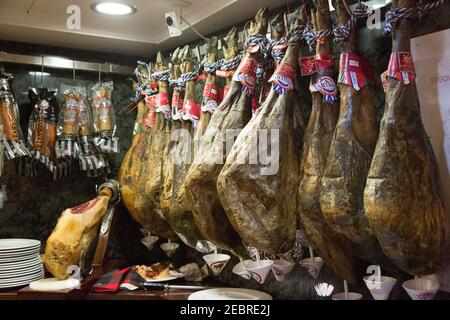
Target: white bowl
(350,296)
(240,270)
(259,271)
(380,290)
(281,268)
(421,289)
(170,248)
(313,268)
(217,262)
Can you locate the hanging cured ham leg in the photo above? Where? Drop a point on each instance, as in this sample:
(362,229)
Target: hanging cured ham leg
(317,141)
(153,179)
(176,204)
(132,181)
(258,196)
(351,152)
(402,199)
(231,116)
(210,91)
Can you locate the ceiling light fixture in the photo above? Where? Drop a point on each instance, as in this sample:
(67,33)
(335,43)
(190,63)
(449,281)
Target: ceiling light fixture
(114,8)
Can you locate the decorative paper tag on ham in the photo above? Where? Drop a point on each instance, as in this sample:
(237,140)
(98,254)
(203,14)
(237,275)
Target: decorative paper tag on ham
(177,105)
(283,78)
(352,72)
(211,91)
(210,98)
(210,106)
(384,80)
(224,74)
(151,116)
(307,65)
(324,61)
(163,105)
(246,74)
(327,87)
(401,67)
(191,111)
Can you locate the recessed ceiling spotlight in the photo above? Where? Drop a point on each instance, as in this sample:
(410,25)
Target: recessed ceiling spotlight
(114,8)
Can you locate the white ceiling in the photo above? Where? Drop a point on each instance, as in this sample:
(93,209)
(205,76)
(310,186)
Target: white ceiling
(141,34)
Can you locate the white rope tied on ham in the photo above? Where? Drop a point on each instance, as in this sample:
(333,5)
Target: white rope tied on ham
(230,64)
(341,33)
(210,67)
(177,84)
(311,35)
(261,41)
(394,15)
(161,75)
(190,76)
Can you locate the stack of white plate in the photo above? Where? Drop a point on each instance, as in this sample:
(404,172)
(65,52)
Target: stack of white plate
(20,263)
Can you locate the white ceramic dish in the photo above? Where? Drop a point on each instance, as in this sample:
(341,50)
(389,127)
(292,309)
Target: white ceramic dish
(28,279)
(17,259)
(18,273)
(17,244)
(230,294)
(20,265)
(20,283)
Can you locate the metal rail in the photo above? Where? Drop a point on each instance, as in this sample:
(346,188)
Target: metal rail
(53,62)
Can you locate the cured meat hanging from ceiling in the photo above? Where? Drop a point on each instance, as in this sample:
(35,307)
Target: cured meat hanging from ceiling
(257,195)
(134,164)
(402,198)
(181,207)
(352,146)
(210,100)
(182,224)
(232,115)
(333,249)
(153,171)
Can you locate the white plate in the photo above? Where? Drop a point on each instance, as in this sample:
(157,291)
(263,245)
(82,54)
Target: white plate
(19,265)
(16,255)
(19,273)
(19,251)
(18,259)
(230,294)
(12,244)
(20,283)
(6,251)
(30,278)
(169,278)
